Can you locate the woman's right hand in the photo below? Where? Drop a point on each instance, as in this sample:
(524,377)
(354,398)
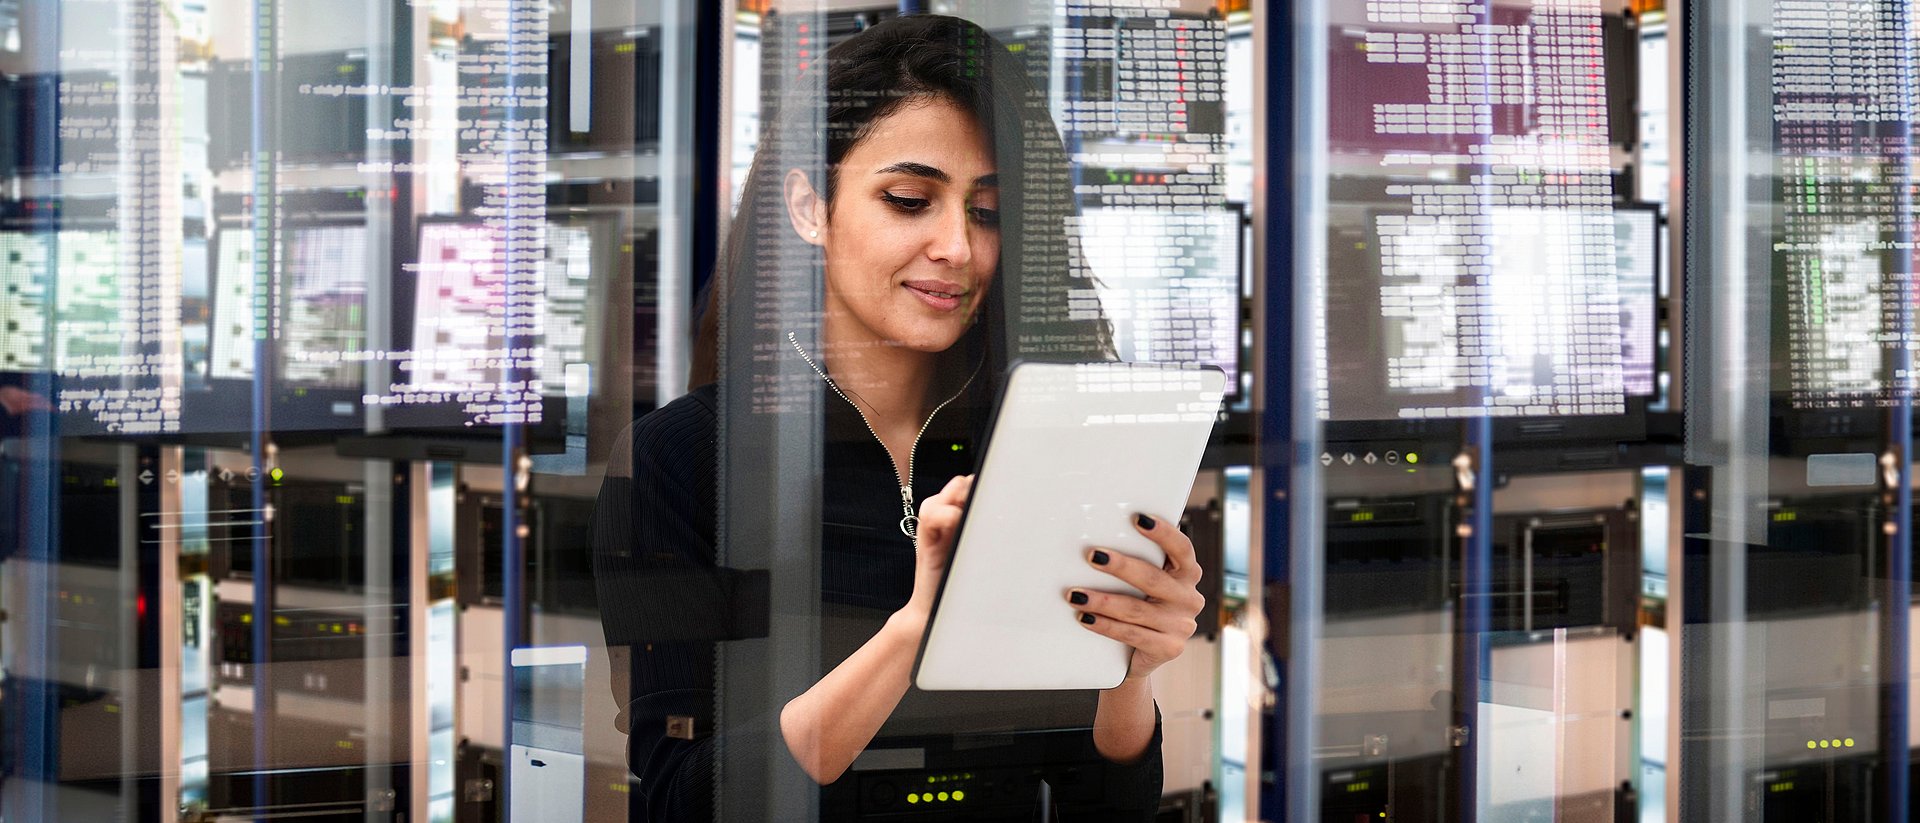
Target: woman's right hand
(933,545)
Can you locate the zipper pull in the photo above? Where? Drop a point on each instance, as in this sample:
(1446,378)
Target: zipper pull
(910,524)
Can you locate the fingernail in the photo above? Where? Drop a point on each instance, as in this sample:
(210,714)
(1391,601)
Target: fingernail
(1087,618)
(1145,523)
(1100,558)
(1077,598)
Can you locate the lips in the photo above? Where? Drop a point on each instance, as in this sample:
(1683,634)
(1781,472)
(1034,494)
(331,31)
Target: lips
(937,294)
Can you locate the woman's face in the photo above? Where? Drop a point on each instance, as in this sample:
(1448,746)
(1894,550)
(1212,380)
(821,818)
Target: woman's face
(912,237)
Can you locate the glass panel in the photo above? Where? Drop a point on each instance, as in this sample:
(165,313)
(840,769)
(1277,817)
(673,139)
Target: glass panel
(491,410)
(1484,344)
(506,410)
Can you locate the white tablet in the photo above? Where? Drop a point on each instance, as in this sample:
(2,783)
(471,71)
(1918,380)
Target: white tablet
(1076,450)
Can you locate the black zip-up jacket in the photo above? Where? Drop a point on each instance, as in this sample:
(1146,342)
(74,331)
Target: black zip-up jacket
(665,604)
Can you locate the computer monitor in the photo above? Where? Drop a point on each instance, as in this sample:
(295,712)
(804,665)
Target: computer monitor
(459,303)
(1513,314)
(1169,282)
(323,324)
(319,121)
(445,361)
(451,355)
(315,330)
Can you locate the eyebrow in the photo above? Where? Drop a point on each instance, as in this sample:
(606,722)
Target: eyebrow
(923,170)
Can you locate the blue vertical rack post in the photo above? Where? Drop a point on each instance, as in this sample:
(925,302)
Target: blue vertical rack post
(1896,613)
(1290,191)
(33,700)
(512,433)
(263,74)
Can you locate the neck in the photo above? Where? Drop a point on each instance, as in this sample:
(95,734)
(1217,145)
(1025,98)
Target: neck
(889,380)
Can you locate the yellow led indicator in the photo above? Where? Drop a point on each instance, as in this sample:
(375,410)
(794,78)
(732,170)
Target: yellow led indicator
(1812,745)
(276,474)
(1825,744)
(912,798)
(943,796)
(1849,742)
(926,798)
(959,795)
(1412,457)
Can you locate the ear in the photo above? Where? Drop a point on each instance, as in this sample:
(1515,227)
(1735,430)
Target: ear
(806,209)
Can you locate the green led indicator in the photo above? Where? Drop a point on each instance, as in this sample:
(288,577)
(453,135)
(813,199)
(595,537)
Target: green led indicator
(943,796)
(1413,457)
(959,795)
(914,798)
(276,474)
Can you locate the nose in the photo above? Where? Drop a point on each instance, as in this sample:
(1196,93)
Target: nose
(951,242)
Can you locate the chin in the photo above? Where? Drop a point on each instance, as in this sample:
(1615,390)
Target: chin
(929,340)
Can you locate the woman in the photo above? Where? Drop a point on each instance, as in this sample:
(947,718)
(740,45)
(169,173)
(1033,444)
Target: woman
(933,143)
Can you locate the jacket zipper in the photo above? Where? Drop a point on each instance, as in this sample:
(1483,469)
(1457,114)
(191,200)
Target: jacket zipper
(909,522)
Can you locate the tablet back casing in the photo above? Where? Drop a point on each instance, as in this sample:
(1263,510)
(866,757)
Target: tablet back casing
(1076,451)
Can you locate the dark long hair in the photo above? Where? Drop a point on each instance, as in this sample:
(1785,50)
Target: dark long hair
(1029,311)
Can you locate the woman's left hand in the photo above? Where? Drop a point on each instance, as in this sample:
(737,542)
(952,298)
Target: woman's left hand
(1157,625)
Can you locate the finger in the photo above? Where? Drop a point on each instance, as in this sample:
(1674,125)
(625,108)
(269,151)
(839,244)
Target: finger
(956,490)
(1161,616)
(1181,558)
(1160,646)
(1150,579)
(938,520)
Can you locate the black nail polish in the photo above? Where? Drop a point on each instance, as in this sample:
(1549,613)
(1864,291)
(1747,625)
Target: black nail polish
(1100,558)
(1077,598)
(1145,523)
(1087,618)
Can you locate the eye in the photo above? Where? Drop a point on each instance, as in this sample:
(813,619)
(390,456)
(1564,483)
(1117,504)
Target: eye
(986,217)
(905,204)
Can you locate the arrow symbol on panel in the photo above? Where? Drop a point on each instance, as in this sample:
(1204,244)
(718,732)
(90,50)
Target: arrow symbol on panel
(1326,459)
(146,477)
